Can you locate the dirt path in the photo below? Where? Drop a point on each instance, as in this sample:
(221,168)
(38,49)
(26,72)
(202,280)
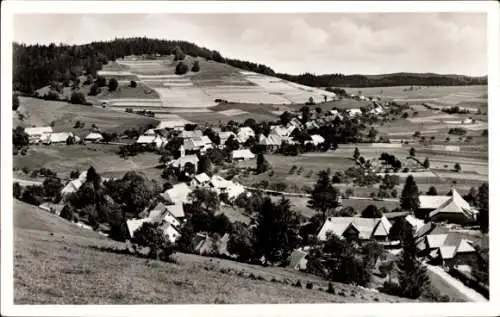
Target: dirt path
(453,284)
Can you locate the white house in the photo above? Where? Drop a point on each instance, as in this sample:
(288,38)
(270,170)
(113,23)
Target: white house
(363,228)
(316,139)
(146,139)
(244,154)
(36,133)
(224,136)
(74,185)
(200,180)
(59,137)
(178,194)
(175,124)
(93,137)
(168,230)
(244,133)
(354,112)
(181,162)
(221,185)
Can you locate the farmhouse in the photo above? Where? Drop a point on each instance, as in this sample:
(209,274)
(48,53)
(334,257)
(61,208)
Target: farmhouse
(280,130)
(181,162)
(221,185)
(161,213)
(354,112)
(178,194)
(190,134)
(55,138)
(36,133)
(362,228)
(298,260)
(93,137)
(244,133)
(146,139)
(74,185)
(176,210)
(177,124)
(200,180)
(207,245)
(316,139)
(271,142)
(453,209)
(244,154)
(168,230)
(193,145)
(207,143)
(224,136)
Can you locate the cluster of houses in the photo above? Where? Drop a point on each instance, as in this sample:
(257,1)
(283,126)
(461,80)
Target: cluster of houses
(169,213)
(46,135)
(437,230)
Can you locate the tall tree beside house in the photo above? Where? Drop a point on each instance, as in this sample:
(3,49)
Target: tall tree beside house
(204,164)
(277,231)
(483,205)
(262,164)
(324,197)
(412,275)
(241,242)
(205,200)
(356,153)
(409,196)
(371,211)
(151,235)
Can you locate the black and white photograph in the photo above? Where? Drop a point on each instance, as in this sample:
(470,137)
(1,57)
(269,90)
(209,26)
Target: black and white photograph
(224,154)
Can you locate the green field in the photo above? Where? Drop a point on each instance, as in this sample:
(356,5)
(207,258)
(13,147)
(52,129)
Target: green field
(63,159)
(467,96)
(56,262)
(42,113)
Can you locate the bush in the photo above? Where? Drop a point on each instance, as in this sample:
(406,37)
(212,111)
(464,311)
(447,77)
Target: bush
(151,236)
(181,68)
(298,284)
(112,84)
(15,101)
(17,190)
(94,90)
(78,98)
(196,66)
(309,285)
(100,81)
(133,83)
(457,131)
(391,288)
(330,288)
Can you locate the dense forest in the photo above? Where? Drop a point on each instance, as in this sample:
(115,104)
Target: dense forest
(36,66)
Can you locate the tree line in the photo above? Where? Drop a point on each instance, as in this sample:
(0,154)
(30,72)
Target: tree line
(36,66)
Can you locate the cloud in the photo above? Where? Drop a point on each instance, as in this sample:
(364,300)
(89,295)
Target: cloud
(366,43)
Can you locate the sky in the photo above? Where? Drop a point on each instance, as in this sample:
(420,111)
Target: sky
(320,43)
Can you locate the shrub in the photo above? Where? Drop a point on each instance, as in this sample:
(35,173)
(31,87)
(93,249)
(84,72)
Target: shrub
(309,285)
(78,98)
(298,284)
(133,83)
(151,236)
(196,66)
(112,84)
(100,81)
(94,90)
(330,288)
(15,101)
(17,190)
(181,68)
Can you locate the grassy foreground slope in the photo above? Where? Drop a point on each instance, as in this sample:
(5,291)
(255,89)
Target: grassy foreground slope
(59,263)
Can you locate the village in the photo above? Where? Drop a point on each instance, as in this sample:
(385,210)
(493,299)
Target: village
(195,159)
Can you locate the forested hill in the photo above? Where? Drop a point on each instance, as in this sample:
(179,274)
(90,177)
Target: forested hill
(36,66)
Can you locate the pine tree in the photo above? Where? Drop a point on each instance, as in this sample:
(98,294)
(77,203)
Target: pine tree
(324,196)
(483,205)
(409,196)
(412,276)
(356,153)
(427,164)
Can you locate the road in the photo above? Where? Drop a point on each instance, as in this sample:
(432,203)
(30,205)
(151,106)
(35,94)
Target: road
(447,283)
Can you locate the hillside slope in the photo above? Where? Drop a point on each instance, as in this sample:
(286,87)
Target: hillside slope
(57,263)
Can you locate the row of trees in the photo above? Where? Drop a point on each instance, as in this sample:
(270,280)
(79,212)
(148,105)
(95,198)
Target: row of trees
(37,65)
